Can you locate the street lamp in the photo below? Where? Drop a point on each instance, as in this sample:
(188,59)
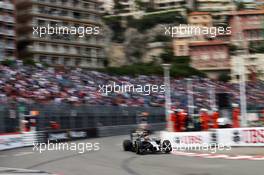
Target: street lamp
(166,68)
(190,97)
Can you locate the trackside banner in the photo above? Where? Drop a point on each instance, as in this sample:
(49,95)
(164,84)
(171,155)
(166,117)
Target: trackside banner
(241,136)
(11,141)
(181,140)
(17,140)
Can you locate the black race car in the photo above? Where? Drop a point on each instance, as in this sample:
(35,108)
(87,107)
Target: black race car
(141,143)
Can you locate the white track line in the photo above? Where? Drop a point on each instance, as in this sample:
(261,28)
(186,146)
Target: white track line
(217,156)
(23,153)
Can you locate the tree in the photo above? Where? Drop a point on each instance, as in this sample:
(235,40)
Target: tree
(240,5)
(118,6)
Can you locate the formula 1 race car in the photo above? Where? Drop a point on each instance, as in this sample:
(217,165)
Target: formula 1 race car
(141,143)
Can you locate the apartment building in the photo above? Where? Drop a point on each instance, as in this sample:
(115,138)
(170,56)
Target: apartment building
(63,49)
(260,4)
(168,4)
(128,6)
(203,19)
(248,23)
(215,5)
(107,6)
(253,64)
(7,30)
(211,57)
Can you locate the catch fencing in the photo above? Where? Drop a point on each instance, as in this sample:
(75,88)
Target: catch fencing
(77,117)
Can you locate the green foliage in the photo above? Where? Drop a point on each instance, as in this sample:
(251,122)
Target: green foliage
(167,56)
(180,67)
(141,5)
(162,38)
(118,6)
(176,70)
(256,47)
(232,49)
(224,77)
(8,62)
(136,69)
(240,5)
(29,61)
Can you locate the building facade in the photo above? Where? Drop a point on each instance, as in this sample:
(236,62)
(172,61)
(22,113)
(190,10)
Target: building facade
(211,57)
(128,6)
(203,19)
(250,23)
(76,44)
(253,64)
(168,4)
(214,5)
(7,30)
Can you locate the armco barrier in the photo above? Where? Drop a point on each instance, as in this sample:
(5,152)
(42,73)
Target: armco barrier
(67,135)
(229,137)
(17,140)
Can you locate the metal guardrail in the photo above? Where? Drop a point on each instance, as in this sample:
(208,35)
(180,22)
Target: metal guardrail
(76,117)
(71,117)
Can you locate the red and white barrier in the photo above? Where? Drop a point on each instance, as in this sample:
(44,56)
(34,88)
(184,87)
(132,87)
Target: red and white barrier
(186,139)
(228,137)
(17,140)
(241,136)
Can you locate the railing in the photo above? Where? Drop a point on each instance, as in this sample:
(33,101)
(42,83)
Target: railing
(75,117)
(103,118)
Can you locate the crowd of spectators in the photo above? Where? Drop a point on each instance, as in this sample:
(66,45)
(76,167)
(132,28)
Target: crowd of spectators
(43,85)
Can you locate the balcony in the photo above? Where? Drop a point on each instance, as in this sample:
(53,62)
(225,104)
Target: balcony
(7,6)
(9,19)
(10,32)
(10,46)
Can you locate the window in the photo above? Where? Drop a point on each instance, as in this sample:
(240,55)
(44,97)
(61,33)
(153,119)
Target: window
(66,48)
(41,9)
(75,2)
(54,60)
(88,52)
(63,13)
(42,58)
(86,5)
(55,47)
(42,46)
(77,15)
(41,22)
(53,23)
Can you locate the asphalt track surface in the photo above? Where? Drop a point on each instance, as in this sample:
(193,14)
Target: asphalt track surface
(112,160)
